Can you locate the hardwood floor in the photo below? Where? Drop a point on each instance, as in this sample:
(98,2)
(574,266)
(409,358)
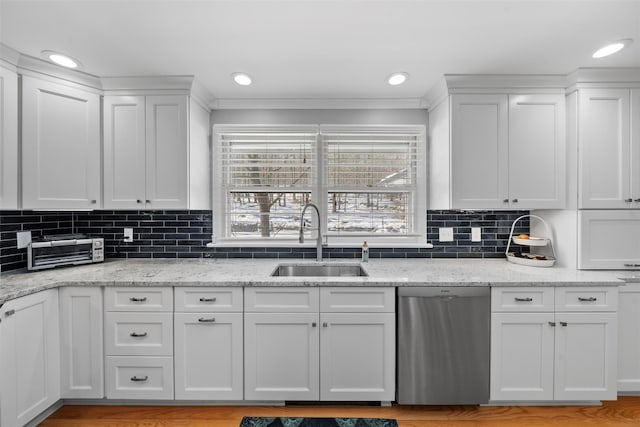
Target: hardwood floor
(623,412)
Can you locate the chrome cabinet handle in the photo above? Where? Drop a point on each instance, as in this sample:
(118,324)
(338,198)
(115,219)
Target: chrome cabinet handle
(203,299)
(147,201)
(94,201)
(137,335)
(563,323)
(552,324)
(636,200)
(134,299)
(589,299)
(505,200)
(631,265)
(134,378)
(205,320)
(314,324)
(9,312)
(138,201)
(325,324)
(527,299)
(514,201)
(628,200)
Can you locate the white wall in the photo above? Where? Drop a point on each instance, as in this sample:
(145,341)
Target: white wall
(292,117)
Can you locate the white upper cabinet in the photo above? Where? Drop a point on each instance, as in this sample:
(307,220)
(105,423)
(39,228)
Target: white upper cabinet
(146,152)
(479,151)
(609,163)
(8,139)
(124,152)
(504,151)
(537,151)
(167,151)
(608,239)
(60,146)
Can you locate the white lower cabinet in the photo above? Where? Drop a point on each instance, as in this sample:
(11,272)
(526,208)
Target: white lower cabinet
(629,338)
(357,356)
(208,350)
(297,352)
(564,352)
(81,343)
(139,343)
(139,377)
(29,357)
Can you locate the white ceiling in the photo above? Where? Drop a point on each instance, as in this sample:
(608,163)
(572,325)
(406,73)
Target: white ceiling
(323,49)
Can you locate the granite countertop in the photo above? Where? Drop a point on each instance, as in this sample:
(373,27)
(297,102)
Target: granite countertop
(382,272)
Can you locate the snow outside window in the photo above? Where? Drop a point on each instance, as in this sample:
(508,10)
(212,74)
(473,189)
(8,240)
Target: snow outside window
(368,183)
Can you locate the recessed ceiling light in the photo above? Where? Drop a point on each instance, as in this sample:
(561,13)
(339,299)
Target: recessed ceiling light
(396,79)
(612,48)
(61,59)
(241,78)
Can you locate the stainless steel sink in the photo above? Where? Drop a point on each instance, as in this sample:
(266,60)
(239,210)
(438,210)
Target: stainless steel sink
(319,270)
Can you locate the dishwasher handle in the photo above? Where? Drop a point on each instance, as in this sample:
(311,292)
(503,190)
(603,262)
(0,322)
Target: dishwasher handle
(443,291)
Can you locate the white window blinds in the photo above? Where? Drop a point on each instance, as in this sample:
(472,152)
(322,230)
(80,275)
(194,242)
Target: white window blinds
(266,176)
(371,180)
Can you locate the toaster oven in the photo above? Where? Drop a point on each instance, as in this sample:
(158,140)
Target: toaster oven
(60,250)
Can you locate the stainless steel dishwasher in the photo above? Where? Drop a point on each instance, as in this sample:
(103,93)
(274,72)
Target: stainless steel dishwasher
(443,345)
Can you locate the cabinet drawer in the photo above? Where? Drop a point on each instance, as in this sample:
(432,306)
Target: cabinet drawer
(587,299)
(528,299)
(138,334)
(355,300)
(139,377)
(138,299)
(273,300)
(202,300)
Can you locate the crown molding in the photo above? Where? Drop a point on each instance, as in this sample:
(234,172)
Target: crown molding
(603,78)
(29,65)
(318,103)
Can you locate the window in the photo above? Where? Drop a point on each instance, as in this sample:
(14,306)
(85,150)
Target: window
(368,182)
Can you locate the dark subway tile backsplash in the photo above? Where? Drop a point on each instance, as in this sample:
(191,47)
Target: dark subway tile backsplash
(185,234)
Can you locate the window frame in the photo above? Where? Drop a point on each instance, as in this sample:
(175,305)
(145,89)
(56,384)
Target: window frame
(319,192)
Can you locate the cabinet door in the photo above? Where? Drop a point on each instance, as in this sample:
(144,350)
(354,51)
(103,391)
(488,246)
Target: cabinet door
(30,359)
(479,151)
(357,354)
(537,151)
(82,371)
(124,152)
(281,356)
(604,153)
(629,338)
(522,356)
(586,356)
(8,139)
(167,134)
(635,147)
(608,239)
(208,356)
(60,146)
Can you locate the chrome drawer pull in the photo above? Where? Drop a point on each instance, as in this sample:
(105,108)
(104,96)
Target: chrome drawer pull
(325,325)
(134,378)
(527,299)
(590,299)
(632,265)
(10,313)
(313,324)
(552,324)
(203,299)
(134,299)
(628,200)
(205,320)
(563,323)
(137,335)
